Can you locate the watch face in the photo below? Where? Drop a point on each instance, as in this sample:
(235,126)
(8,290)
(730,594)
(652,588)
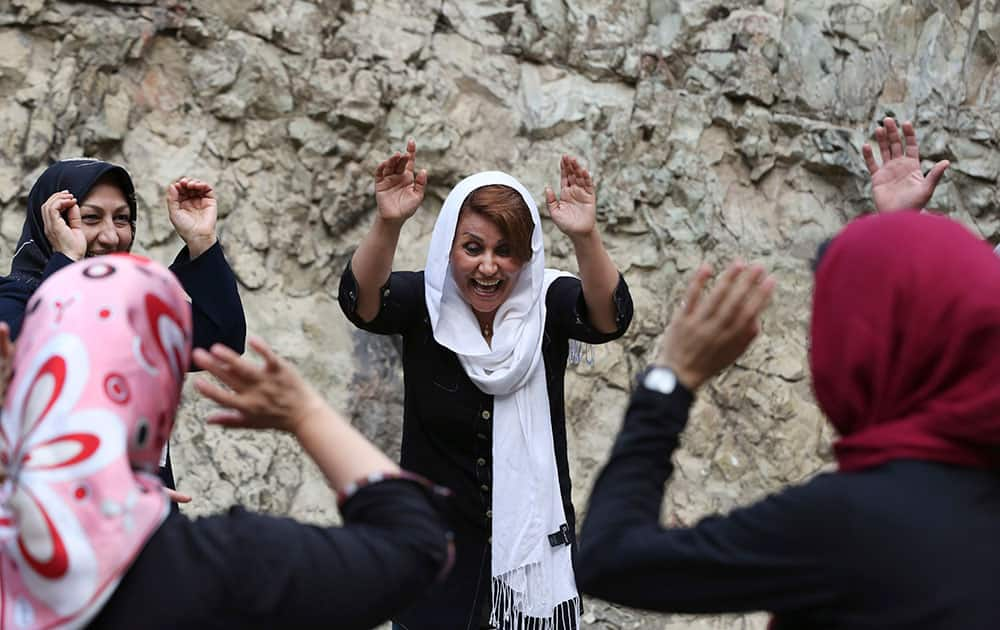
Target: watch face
(661,380)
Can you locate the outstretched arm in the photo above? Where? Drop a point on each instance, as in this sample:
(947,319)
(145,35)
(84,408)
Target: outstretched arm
(274,396)
(398,194)
(574,212)
(899,183)
(773,555)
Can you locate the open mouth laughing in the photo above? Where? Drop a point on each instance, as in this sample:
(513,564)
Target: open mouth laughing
(486,288)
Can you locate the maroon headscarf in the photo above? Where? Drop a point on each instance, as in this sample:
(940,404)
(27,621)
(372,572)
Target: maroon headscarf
(905,352)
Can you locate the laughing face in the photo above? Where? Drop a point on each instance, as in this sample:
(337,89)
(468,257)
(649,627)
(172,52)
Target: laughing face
(104,218)
(482,263)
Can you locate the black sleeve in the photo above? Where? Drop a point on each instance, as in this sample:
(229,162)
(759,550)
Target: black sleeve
(216,309)
(402,303)
(776,555)
(394,544)
(567,311)
(14,293)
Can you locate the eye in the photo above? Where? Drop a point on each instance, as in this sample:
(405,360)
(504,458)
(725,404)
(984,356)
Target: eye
(503,250)
(91,219)
(122,220)
(472,248)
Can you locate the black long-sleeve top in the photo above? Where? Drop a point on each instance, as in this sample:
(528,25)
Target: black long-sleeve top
(909,544)
(246,570)
(447,430)
(216,310)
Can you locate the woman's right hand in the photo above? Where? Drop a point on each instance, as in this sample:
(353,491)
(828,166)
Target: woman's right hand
(709,332)
(272,395)
(65,236)
(398,192)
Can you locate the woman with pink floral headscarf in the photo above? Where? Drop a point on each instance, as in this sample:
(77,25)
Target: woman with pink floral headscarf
(85,532)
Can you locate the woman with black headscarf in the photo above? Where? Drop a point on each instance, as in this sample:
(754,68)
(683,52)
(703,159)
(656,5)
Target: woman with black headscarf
(80,208)
(905,359)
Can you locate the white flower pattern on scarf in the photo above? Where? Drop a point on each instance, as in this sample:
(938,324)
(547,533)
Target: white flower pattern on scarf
(45,457)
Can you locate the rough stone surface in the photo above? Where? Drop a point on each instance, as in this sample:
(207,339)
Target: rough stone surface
(714,128)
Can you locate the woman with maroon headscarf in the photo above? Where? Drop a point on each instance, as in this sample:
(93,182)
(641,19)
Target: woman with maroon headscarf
(905,358)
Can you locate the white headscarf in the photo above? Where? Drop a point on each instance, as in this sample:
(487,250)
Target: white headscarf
(530,577)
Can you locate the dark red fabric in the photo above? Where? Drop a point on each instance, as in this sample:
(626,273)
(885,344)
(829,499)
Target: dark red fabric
(905,352)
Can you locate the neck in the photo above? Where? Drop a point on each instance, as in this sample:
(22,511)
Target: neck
(485,323)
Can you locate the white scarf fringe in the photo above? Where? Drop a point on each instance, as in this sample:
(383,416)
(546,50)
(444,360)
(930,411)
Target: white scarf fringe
(507,604)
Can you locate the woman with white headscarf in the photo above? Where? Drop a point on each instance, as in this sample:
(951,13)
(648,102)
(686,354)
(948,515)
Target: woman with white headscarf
(486,330)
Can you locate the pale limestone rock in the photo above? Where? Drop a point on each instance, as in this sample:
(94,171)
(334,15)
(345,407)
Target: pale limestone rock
(713,129)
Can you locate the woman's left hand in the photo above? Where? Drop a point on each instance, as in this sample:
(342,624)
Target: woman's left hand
(575,210)
(193,212)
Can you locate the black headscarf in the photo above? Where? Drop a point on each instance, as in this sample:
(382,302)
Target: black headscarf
(78,176)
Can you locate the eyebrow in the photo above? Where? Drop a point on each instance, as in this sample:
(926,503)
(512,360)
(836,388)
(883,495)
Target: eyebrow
(502,241)
(124,206)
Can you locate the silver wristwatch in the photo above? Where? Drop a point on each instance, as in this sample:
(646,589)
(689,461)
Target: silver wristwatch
(660,379)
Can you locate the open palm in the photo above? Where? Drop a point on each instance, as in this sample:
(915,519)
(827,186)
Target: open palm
(899,183)
(398,192)
(193,209)
(574,211)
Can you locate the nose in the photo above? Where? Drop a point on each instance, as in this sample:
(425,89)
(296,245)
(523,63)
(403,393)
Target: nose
(488,264)
(108,236)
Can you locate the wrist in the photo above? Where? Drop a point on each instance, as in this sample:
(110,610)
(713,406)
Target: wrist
(384,224)
(687,377)
(198,245)
(307,414)
(71,253)
(586,240)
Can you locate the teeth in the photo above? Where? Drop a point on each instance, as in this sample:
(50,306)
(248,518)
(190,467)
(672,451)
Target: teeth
(487,284)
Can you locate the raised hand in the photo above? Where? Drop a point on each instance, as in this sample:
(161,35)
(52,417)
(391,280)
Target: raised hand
(575,210)
(398,192)
(268,396)
(65,235)
(899,183)
(193,213)
(709,332)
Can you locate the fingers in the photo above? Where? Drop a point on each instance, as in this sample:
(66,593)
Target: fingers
(173,193)
(757,301)
(234,365)
(869,155)
(883,144)
(221,369)
(550,198)
(910,141)
(564,182)
(894,139)
(411,155)
(73,217)
(271,360)
(188,187)
(395,165)
(696,289)
(217,394)
(55,205)
(228,418)
(420,181)
(935,175)
(177,497)
(732,307)
(710,305)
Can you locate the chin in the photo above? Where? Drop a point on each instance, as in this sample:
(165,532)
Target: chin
(485,307)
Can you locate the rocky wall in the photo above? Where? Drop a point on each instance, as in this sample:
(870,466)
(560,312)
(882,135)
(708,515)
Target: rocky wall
(714,129)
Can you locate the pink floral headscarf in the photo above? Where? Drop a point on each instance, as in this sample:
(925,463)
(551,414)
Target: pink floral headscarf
(97,376)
